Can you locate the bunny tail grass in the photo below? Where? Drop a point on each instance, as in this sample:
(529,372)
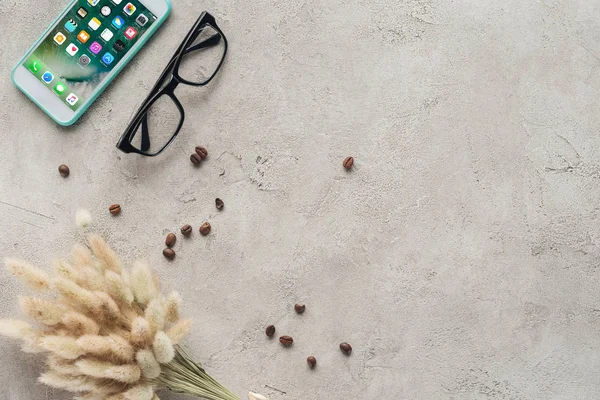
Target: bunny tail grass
(183,375)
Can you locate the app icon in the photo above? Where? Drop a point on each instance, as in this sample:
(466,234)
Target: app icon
(105,11)
(35,66)
(93,3)
(82,12)
(95,47)
(130,33)
(107,35)
(94,23)
(119,45)
(47,77)
(108,58)
(72,99)
(141,20)
(83,36)
(71,25)
(129,9)
(60,38)
(118,22)
(72,49)
(117,2)
(59,88)
(84,60)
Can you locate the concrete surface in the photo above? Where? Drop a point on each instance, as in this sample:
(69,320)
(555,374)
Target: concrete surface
(460,258)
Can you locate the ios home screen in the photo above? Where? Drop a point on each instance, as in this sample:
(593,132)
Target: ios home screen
(86,45)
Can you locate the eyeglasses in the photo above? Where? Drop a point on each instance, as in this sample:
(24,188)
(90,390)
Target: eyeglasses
(160,117)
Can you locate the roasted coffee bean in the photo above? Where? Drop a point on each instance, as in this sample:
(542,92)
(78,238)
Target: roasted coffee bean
(286,340)
(270,331)
(348,162)
(186,230)
(346,348)
(195,159)
(169,253)
(170,240)
(300,308)
(312,361)
(205,229)
(64,171)
(202,152)
(219,204)
(115,209)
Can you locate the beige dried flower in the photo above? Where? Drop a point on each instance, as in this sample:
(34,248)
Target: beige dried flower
(108,334)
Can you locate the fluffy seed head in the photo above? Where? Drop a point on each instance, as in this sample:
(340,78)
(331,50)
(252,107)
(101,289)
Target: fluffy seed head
(155,315)
(129,373)
(142,283)
(82,256)
(78,324)
(42,311)
(148,364)
(108,347)
(179,330)
(141,333)
(110,309)
(117,289)
(14,328)
(79,297)
(68,382)
(83,218)
(62,346)
(163,348)
(28,274)
(172,307)
(104,253)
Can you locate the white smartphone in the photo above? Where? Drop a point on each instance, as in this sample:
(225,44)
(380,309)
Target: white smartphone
(83,51)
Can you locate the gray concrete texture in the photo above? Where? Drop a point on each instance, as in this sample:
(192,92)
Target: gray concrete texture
(461,255)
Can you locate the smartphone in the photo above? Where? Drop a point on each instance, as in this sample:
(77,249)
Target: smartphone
(83,51)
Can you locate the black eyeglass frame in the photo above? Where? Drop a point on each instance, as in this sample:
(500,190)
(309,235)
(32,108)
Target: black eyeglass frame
(171,73)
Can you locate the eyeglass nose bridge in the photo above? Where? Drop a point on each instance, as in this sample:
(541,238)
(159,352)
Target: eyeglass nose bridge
(171,85)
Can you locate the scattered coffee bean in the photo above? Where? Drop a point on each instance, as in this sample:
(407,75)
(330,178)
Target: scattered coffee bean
(169,253)
(195,159)
(186,230)
(64,171)
(346,348)
(286,340)
(202,152)
(115,209)
(311,361)
(348,162)
(300,308)
(270,331)
(170,240)
(219,204)
(205,229)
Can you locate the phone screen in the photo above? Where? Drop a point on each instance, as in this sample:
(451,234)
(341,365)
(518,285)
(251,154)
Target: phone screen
(86,45)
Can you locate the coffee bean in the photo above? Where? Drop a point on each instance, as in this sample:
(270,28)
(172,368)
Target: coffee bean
(115,209)
(170,240)
(270,331)
(219,204)
(186,230)
(300,308)
(169,253)
(346,348)
(205,229)
(202,152)
(286,340)
(195,159)
(64,171)
(348,162)
(312,361)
